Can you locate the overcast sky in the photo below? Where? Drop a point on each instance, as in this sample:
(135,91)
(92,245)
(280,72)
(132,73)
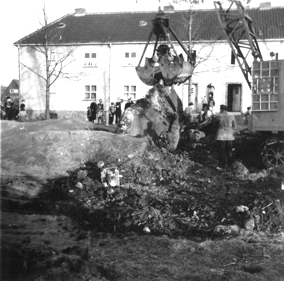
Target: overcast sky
(19,18)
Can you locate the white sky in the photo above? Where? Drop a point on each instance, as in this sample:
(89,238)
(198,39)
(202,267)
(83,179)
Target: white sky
(19,18)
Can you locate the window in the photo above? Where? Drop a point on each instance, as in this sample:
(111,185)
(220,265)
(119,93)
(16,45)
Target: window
(233,59)
(265,86)
(90,60)
(130,91)
(90,92)
(130,58)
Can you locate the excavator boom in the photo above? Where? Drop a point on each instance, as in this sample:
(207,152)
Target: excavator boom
(240,34)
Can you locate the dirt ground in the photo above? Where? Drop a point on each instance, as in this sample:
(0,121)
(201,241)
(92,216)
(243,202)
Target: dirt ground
(173,217)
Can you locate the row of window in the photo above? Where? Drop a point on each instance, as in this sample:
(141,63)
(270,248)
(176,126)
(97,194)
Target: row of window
(94,55)
(90,59)
(91,92)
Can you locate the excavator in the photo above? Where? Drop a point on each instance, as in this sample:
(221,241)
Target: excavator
(163,66)
(265,79)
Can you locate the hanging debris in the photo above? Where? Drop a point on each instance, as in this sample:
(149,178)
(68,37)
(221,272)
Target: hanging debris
(159,115)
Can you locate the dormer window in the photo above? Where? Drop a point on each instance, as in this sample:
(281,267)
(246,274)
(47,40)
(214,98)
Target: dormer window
(61,25)
(143,23)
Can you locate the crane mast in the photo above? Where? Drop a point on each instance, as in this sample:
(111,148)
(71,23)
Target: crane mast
(240,34)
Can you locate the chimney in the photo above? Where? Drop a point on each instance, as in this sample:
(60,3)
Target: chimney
(169,9)
(265,5)
(80,12)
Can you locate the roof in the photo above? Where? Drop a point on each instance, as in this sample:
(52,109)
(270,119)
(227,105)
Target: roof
(135,27)
(14,84)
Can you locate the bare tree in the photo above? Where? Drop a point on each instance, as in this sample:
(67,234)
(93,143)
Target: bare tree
(186,20)
(55,58)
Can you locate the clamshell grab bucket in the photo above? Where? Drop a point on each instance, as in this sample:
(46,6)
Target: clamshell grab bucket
(170,69)
(172,72)
(146,73)
(186,72)
(177,71)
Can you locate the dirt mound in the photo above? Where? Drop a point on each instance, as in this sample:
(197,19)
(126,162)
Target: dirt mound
(45,125)
(48,149)
(38,151)
(53,195)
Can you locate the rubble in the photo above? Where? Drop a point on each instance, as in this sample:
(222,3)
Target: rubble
(160,190)
(170,196)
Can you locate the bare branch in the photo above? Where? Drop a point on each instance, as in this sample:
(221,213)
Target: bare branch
(32,70)
(45,45)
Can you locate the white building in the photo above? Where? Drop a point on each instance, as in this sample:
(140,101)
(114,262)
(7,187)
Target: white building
(106,47)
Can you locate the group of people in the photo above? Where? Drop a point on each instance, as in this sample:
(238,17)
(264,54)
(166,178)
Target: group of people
(10,112)
(95,112)
(225,125)
(208,106)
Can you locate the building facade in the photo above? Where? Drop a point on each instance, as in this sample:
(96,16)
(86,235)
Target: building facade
(105,48)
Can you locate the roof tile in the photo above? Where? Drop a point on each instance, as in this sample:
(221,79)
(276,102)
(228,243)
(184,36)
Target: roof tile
(127,27)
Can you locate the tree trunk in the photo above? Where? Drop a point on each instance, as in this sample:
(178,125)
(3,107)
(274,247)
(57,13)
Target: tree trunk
(47,113)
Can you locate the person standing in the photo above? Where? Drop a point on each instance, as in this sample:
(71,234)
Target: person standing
(89,114)
(8,108)
(2,111)
(111,112)
(247,116)
(224,137)
(23,105)
(93,107)
(13,112)
(211,102)
(100,111)
(22,116)
(129,103)
(117,110)
(204,103)
(188,113)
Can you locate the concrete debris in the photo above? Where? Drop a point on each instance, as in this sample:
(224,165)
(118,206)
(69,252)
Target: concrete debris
(227,229)
(110,177)
(240,171)
(146,229)
(82,174)
(250,224)
(242,208)
(195,135)
(79,185)
(256,176)
(100,164)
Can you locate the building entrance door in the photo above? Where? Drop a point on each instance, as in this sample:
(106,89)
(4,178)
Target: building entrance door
(234,97)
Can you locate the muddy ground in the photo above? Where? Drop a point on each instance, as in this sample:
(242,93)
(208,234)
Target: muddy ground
(173,217)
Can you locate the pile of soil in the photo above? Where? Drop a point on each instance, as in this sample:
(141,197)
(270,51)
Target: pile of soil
(174,216)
